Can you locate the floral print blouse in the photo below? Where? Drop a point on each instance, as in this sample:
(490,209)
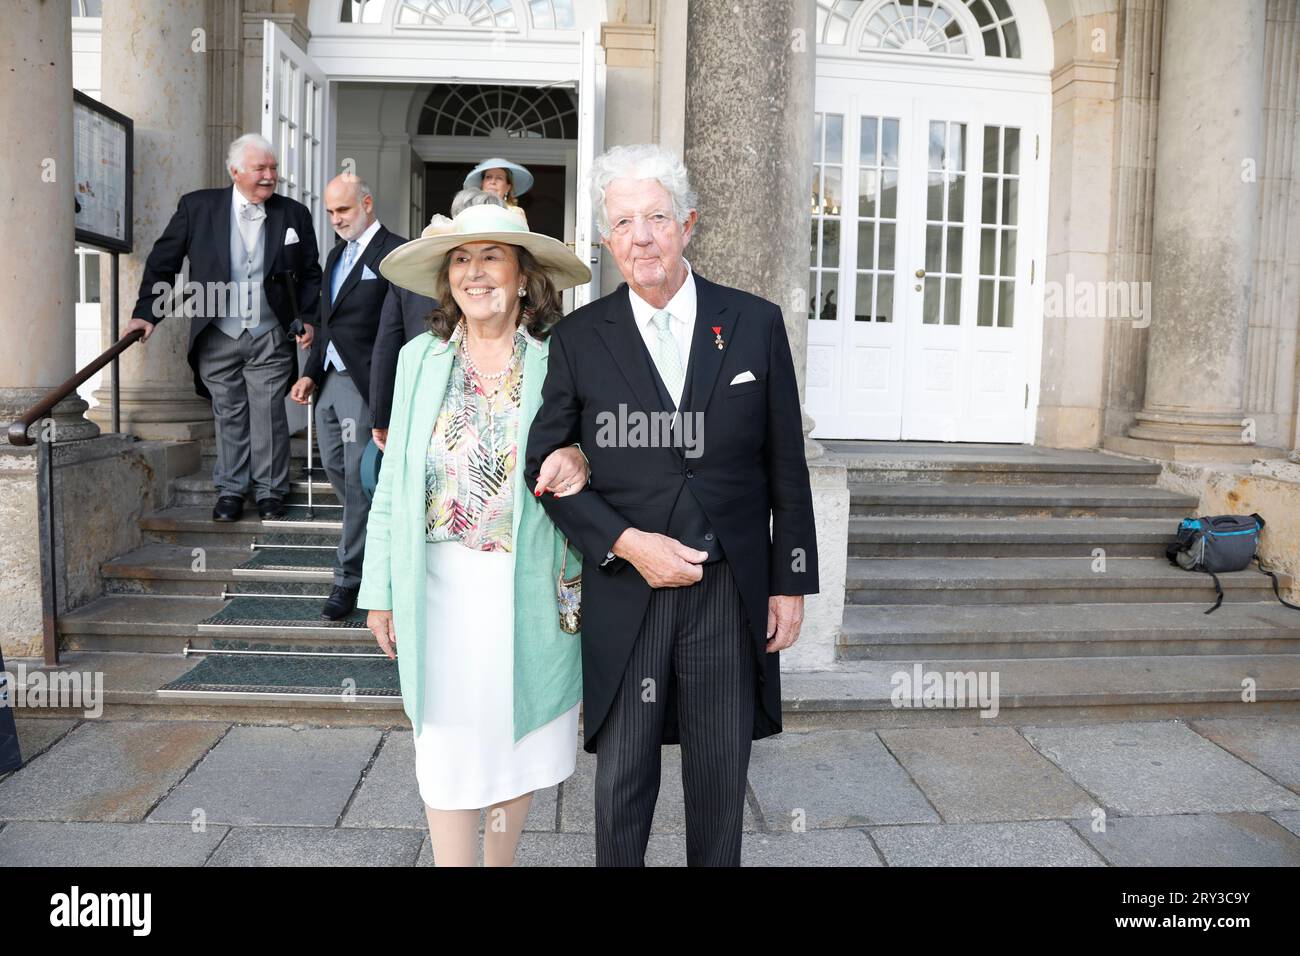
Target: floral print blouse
(472,457)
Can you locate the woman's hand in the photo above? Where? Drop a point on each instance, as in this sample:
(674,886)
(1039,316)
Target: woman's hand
(381,625)
(563,473)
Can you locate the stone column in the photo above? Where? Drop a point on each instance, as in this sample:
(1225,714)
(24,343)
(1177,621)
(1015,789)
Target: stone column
(38,287)
(750,72)
(153,74)
(749,153)
(1205,227)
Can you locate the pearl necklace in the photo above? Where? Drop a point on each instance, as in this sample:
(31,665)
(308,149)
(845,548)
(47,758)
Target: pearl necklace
(497,377)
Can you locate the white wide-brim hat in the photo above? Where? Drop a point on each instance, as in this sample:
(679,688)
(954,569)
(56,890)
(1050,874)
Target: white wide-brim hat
(414,265)
(520,178)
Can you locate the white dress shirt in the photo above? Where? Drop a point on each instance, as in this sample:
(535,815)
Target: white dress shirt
(682,308)
(332,356)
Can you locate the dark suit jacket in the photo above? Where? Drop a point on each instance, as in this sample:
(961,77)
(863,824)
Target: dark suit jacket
(200,231)
(351,321)
(751,469)
(402,320)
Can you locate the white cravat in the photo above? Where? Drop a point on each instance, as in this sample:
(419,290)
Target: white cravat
(250,216)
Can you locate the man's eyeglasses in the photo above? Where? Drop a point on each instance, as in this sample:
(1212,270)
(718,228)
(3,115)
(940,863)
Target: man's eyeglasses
(658,221)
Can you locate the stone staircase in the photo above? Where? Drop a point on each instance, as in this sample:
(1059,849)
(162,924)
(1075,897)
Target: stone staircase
(1045,566)
(1049,566)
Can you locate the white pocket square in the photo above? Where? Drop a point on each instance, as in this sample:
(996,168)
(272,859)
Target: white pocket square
(366,273)
(745,376)
(290,236)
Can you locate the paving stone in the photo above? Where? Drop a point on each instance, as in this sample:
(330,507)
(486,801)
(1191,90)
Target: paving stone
(1036,843)
(107,771)
(389,795)
(106,844)
(1160,767)
(964,772)
(848,847)
(317,846)
(578,801)
(291,776)
(1194,839)
(1270,744)
(835,778)
(1289,819)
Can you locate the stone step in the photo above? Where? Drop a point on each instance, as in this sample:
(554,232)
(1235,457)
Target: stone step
(933,463)
(156,568)
(903,632)
(998,537)
(193,525)
(860,694)
(1039,580)
(196,489)
(875,499)
(164,624)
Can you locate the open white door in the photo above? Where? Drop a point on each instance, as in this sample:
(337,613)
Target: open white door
(295,111)
(591,112)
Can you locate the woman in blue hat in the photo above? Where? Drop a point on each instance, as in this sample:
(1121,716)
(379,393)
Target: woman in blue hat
(502,178)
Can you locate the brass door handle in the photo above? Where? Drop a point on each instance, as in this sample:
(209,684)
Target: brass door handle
(920,273)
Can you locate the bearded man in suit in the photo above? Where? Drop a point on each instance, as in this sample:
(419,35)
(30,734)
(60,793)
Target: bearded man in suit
(339,366)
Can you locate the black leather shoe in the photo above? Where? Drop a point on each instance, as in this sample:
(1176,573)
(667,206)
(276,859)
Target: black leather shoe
(270,508)
(340,603)
(228,508)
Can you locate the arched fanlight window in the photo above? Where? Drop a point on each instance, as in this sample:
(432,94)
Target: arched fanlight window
(515,112)
(551,14)
(922,26)
(87,8)
(917,26)
(362,11)
(458,14)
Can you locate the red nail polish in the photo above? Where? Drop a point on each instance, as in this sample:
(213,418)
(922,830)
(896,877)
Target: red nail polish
(537,494)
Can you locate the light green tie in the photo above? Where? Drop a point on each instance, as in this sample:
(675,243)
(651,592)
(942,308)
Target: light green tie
(667,359)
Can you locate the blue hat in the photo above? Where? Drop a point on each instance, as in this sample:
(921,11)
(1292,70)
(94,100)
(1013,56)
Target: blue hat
(521,179)
(371,459)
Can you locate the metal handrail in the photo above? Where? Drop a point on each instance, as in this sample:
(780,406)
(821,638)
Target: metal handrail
(18,428)
(18,436)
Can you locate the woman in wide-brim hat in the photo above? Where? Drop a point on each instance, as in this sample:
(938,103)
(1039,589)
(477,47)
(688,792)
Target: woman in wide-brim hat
(461,559)
(502,178)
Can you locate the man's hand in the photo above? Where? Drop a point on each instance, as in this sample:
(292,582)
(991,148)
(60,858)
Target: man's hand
(302,390)
(308,333)
(138,324)
(563,473)
(784,618)
(663,561)
(380,624)
(380,435)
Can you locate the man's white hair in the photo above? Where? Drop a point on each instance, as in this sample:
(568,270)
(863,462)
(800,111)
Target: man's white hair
(641,161)
(235,155)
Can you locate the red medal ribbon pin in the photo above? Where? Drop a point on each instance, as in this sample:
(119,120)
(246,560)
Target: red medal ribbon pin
(717,336)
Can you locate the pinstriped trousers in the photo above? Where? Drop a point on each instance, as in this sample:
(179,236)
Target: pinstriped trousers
(698,636)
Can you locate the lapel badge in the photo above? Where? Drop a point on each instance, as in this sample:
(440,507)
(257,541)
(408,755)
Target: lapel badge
(717,337)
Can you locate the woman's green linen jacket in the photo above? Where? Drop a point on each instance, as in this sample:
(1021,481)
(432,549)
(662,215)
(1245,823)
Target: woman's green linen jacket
(548,662)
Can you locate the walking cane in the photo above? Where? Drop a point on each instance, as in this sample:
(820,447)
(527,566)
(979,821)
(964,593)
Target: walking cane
(311,417)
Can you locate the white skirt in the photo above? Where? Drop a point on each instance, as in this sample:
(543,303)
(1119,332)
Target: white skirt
(466,757)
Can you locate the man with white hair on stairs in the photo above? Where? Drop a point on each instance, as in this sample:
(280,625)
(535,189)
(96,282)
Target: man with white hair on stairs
(250,252)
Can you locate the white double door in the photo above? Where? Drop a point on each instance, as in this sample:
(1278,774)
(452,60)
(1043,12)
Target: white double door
(923,309)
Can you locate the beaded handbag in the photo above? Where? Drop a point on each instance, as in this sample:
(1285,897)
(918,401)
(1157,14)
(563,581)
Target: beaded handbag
(569,593)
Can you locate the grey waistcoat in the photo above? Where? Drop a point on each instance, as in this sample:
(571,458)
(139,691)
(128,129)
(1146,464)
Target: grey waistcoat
(248,307)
